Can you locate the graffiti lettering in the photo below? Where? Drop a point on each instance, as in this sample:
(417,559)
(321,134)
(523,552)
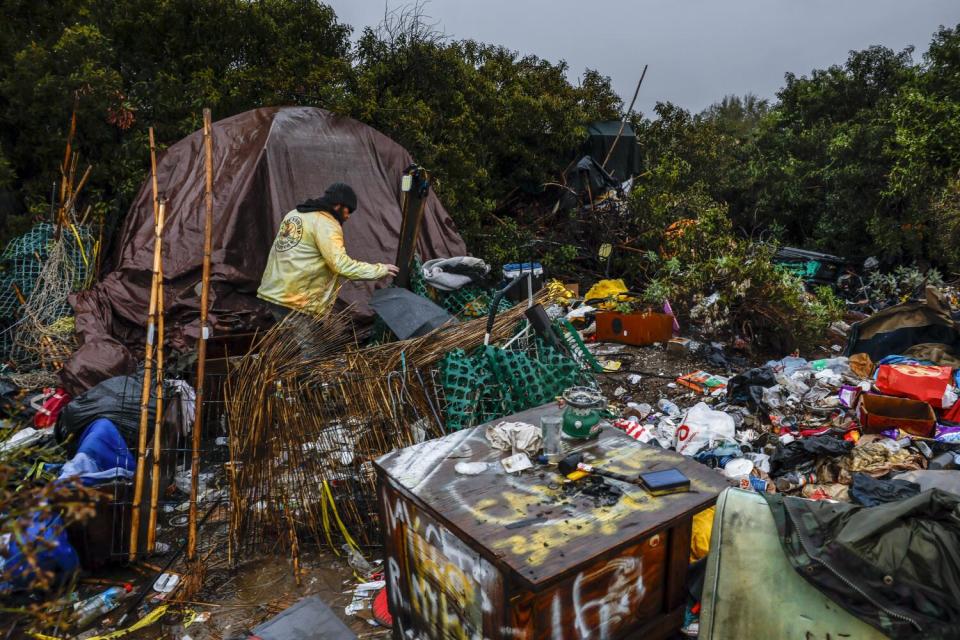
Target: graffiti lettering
(621,585)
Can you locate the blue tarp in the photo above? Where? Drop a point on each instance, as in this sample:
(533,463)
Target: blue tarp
(102,456)
(48,537)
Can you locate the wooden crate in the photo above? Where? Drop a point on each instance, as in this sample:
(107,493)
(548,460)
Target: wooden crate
(511,556)
(637,329)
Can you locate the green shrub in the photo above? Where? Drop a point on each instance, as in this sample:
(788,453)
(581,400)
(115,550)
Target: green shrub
(730,287)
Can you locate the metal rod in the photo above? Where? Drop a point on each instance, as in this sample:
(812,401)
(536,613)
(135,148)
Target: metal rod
(623,123)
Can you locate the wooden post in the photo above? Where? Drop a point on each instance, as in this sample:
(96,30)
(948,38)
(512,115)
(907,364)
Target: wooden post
(158,421)
(64,168)
(204,332)
(145,392)
(414,202)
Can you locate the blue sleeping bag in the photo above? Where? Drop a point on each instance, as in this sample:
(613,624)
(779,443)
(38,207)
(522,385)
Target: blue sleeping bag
(102,455)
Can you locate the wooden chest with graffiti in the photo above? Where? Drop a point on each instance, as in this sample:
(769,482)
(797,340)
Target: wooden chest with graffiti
(522,556)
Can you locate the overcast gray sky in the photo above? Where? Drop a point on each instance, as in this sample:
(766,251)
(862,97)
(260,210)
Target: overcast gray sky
(698,50)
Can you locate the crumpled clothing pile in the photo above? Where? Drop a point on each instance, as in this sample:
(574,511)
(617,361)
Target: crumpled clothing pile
(516,437)
(877,459)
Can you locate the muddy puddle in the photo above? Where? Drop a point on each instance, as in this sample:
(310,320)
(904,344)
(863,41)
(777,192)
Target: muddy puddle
(234,601)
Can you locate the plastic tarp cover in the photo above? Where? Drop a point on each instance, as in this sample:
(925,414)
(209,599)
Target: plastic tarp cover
(116,399)
(266,161)
(308,619)
(587,177)
(407,314)
(46,537)
(625,161)
(894,565)
(895,330)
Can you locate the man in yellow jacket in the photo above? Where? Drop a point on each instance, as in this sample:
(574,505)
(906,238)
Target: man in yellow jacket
(308,262)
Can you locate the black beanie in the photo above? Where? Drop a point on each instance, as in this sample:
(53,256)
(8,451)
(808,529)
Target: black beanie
(342,194)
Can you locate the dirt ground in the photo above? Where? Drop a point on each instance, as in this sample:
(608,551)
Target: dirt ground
(658,371)
(260,589)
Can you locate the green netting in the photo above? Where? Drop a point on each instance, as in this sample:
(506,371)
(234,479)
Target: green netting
(469,389)
(579,351)
(471,302)
(23,258)
(526,381)
(25,265)
(417,284)
(495,382)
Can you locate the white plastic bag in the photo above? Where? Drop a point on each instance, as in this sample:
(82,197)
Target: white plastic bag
(703,428)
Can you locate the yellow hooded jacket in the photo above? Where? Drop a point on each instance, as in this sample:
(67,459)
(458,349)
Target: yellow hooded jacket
(308,262)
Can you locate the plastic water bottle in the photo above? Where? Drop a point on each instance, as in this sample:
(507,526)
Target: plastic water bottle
(668,407)
(88,610)
(840,365)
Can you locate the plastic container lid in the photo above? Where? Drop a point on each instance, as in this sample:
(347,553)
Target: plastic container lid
(516,269)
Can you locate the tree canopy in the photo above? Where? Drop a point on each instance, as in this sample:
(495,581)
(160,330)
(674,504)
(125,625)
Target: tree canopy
(861,158)
(858,159)
(482,117)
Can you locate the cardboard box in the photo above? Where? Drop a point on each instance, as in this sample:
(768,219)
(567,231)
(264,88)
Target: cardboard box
(681,346)
(878,413)
(704,382)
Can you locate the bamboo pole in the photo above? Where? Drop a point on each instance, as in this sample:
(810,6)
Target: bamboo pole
(158,420)
(204,331)
(145,393)
(66,154)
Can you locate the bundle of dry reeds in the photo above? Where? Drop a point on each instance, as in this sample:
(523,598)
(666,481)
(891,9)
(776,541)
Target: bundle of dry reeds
(306,424)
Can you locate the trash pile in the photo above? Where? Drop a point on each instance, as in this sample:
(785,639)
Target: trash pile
(845,427)
(837,428)
(872,421)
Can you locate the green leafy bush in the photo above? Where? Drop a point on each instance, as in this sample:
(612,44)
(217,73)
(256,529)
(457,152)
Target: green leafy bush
(729,286)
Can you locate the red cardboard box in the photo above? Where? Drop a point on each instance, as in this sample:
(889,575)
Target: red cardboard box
(878,413)
(915,381)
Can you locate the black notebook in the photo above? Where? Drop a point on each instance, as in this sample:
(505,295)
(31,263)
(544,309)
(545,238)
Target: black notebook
(661,483)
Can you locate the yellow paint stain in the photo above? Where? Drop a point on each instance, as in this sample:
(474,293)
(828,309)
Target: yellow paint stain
(434,609)
(427,560)
(538,541)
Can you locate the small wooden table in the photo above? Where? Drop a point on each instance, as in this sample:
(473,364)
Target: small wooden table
(499,555)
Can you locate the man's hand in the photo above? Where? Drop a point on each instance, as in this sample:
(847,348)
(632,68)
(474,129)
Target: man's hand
(392,270)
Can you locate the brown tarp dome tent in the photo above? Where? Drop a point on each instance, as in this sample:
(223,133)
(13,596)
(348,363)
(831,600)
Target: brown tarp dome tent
(266,161)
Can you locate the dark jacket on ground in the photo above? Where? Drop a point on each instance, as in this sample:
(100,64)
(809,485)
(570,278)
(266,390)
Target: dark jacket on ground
(895,566)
